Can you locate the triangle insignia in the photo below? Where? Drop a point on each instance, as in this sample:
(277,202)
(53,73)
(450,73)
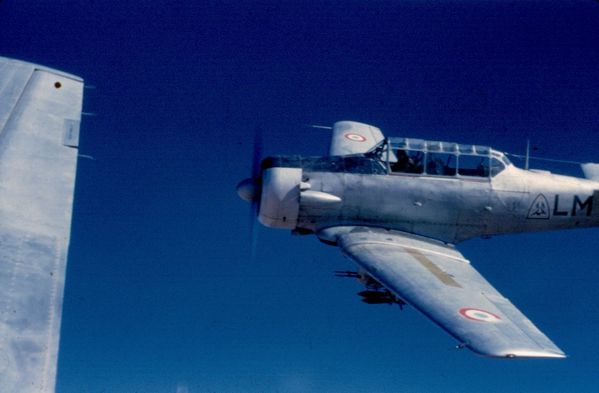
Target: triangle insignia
(539,208)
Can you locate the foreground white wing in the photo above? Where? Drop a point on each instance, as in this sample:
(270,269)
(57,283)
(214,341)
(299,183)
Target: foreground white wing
(437,280)
(40,111)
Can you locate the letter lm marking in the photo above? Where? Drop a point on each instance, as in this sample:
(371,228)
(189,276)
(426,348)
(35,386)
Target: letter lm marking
(588,204)
(556,211)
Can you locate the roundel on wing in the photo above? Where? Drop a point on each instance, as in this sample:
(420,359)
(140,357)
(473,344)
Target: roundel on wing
(475,314)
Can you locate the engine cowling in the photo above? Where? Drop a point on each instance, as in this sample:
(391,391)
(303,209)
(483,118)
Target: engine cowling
(280,201)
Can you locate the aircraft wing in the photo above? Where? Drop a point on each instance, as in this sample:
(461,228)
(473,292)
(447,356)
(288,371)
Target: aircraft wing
(436,279)
(350,137)
(40,111)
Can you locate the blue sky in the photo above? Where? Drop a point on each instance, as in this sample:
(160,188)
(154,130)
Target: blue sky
(161,295)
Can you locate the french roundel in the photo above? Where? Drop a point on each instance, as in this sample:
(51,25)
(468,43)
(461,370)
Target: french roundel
(476,314)
(355,137)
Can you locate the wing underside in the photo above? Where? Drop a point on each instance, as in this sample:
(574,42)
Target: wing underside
(437,280)
(40,112)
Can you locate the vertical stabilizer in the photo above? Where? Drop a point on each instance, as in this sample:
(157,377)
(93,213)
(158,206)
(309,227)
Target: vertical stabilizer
(350,137)
(591,171)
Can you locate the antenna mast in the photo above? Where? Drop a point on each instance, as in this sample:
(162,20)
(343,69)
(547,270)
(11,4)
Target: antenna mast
(527,154)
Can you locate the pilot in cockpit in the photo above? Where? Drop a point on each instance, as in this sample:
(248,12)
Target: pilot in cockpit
(402,163)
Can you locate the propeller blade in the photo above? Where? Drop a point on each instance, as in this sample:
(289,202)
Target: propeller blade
(257,181)
(257,154)
(254,227)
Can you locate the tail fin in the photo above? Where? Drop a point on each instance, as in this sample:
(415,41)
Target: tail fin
(350,137)
(591,171)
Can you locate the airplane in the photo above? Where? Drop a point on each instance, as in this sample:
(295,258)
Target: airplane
(398,206)
(40,116)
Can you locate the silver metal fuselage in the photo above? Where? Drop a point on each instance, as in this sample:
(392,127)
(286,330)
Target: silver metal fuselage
(310,199)
(397,206)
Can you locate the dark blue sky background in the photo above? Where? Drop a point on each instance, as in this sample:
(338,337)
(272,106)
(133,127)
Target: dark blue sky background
(161,295)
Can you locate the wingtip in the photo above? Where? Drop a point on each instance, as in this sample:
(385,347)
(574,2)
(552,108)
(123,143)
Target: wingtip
(519,353)
(528,354)
(36,66)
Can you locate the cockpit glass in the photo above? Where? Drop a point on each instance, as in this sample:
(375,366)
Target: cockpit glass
(416,156)
(441,164)
(400,142)
(416,144)
(496,166)
(408,161)
(482,150)
(466,149)
(471,165)
(450,147)
(433,146)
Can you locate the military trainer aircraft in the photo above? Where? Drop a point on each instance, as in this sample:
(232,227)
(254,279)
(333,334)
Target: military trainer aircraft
(397,207)
(40,113)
